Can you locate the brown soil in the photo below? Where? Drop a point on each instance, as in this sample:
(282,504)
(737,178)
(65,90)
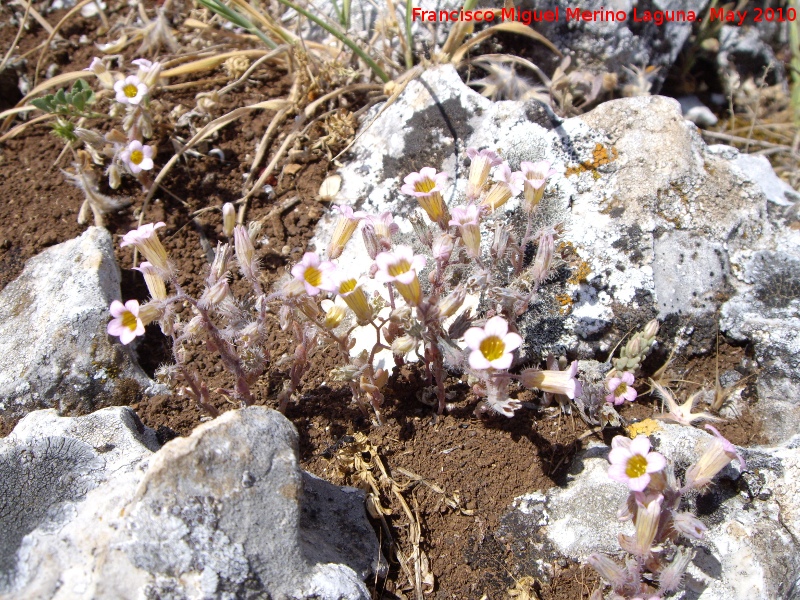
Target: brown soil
(459,474)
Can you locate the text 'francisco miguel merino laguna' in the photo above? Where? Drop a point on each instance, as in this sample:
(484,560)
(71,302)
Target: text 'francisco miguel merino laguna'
(526,17)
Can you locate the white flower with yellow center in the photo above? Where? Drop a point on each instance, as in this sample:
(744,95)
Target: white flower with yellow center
(313,274)
(126,323)
(130,90)
(632,462)
(492,345)
(137,157)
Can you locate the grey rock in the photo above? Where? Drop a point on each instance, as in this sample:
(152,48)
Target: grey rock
(54,350)
(737,557)
(767,314)
(757,169)
(224,513)
(618,46)
(697,112)
(745,58)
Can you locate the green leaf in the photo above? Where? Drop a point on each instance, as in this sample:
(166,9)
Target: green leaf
(61,97)
(78,101)
(80,86)
(44,104)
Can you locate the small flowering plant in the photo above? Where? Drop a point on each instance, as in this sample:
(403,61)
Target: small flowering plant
(416,313)
(123,150)
(235,330)
(656,504)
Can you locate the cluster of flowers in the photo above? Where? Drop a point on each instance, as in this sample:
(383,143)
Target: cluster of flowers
(414,316)
(654,505)
(234,329)
(419,315)
(126,149)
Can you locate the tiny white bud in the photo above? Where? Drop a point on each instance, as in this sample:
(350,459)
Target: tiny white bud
(228,219)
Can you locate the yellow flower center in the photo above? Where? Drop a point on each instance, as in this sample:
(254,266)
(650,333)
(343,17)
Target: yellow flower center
(621,389)
(137,156)
(399,268)
(313,276)
(347,286)
(129,320)
(492,348)
(130,90)
(426,185)
(636,467)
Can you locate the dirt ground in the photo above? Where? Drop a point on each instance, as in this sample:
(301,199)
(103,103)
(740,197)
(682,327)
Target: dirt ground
(458,473)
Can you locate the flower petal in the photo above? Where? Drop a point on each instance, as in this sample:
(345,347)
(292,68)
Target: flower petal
(473,337)
(640,445)
(512,341)
(478,361)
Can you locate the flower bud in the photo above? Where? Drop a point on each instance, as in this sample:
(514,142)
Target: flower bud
(381,378)
(216,293)
(544,257)
(370,240)
(651,329)
(449,306)
(608,570)
(245,252)
(114,178)
(228,219)
(689,525)
(442,248)
(633,347)
(195,326)
(404,344)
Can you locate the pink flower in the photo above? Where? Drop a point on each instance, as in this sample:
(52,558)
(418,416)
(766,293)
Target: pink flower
(482,162)
(137,157)
(384,225)
(632,462)
(126,323)
(130,90)
(491,345)
(467,219)
(343,231)
(621,389)
(535,176)
(554,381)
(427,187)
(313,274)
(146,241)
(507,185)
(400,268)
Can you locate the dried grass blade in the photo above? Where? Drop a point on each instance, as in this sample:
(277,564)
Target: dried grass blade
(509,27)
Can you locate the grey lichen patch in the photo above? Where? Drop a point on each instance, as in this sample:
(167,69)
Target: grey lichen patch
(447,121)
(778,277)
(36,479)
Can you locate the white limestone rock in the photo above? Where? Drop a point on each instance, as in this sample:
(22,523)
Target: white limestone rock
(54,349)
(92,508)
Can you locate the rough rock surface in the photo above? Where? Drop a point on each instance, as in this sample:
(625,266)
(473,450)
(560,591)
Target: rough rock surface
(662,225)
(602,44)
(91,508)
(748,516)
(54,350)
